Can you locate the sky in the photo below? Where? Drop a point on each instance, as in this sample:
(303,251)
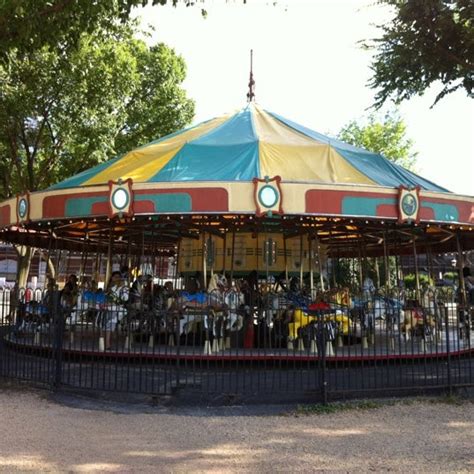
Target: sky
(309,67)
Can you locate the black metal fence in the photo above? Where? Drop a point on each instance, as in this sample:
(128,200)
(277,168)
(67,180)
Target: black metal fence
(230,345)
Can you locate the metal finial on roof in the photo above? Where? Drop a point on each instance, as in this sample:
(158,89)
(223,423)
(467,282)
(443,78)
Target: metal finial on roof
(250,93)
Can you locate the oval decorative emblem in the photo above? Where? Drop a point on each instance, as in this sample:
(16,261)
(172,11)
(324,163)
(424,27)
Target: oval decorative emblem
(409,204)
(120,198)
(268,196)
(22,208)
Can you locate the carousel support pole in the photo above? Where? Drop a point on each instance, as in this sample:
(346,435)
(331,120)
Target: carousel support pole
(208,250)
(311,272)
(361,276)
(301,261)
(227,342)
(377,272)
(417,275)
(320,264)
(462,283)
(286,258)
(224,255)
(465,320)
(386,264)
(204,262)
(232,256)
(108,268)
(433,303)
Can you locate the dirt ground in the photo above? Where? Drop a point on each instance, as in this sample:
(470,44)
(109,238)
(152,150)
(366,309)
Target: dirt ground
(44,435)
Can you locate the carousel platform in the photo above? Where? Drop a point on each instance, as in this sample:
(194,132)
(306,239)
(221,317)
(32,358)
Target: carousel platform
(381,348)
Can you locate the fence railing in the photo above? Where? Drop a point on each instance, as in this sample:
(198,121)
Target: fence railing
(239,344)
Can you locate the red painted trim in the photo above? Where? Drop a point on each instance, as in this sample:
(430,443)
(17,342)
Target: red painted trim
(245,357)
(55,206)
(465,208)
(202,199)
(323,201)
(5,213)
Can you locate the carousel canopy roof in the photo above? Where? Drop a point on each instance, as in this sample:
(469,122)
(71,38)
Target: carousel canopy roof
(250,143)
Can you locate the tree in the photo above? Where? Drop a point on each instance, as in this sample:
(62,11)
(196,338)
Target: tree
(61,114)
(64,111)
(387,137)
(27,25)
(426,42)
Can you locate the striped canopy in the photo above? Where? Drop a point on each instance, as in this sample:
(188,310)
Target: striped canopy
(250,143)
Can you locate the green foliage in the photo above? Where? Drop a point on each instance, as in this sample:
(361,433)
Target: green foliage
(345,270)
(453,276)
(63,112)
(386,136)
(410,281)
(428,41)
(27,25)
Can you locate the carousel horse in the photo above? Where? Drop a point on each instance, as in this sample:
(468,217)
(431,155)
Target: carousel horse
(416,323)
(35,317)
(214,318)
(377,308)
(87,305)
(234,301)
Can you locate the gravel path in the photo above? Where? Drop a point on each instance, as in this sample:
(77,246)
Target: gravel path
(42,435)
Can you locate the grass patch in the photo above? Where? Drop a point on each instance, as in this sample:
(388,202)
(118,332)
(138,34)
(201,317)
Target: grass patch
(336,407)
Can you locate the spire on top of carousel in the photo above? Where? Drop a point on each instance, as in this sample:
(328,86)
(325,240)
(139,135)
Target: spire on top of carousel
(251,93)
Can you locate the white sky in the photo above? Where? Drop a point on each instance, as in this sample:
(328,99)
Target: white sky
(309,68)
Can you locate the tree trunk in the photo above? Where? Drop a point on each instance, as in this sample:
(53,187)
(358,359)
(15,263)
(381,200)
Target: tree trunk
(25,255)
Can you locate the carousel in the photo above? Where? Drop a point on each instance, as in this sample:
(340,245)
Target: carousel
(245,237)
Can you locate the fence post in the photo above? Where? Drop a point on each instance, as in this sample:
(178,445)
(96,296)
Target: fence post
(322,358)
(448,348)
(58,325)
